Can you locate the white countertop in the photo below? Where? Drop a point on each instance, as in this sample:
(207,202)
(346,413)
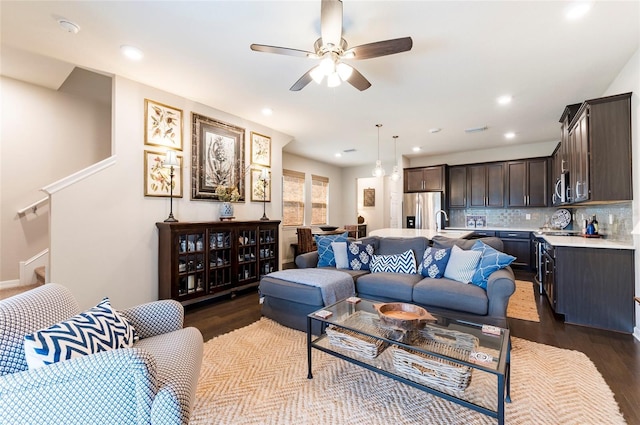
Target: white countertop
(581,242)
(427,233)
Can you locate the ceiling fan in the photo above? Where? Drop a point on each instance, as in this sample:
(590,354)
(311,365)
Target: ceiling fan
(332,49)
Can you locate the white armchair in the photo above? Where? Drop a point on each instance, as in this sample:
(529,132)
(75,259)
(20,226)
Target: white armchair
(153,382)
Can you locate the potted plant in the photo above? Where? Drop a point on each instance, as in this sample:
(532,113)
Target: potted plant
(227,195)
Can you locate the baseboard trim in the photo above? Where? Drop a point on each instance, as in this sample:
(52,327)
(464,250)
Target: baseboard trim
(636,333)
(11,284)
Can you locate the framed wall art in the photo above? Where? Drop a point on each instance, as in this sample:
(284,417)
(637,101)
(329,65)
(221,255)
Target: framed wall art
(260,149)
(157,177)
(217,157)
(162,125)
(260,189)
(369,197)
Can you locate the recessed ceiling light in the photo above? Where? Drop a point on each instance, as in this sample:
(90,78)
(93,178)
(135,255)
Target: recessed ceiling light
(435,130)
(337,155)
(267,112)
(504,100)
(509,135)
(131,52)
(577,9)
(417,149)
(68,26)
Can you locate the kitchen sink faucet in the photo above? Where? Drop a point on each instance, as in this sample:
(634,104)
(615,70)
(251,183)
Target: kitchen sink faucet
(438,224)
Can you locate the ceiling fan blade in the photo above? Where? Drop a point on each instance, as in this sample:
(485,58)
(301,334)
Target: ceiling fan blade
(303,81)
(281,50)
(382,48)
(358,80)
(331,22)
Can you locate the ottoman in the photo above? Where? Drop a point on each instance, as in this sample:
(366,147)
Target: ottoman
(289,302)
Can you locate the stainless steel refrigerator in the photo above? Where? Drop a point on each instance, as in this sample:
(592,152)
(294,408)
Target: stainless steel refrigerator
(419,210)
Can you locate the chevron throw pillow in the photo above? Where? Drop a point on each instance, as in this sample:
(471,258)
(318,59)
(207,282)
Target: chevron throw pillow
(398,263)
(98,329)
(462,264)
(490,261)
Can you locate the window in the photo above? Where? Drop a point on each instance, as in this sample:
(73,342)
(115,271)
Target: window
(292,198)
(319,199)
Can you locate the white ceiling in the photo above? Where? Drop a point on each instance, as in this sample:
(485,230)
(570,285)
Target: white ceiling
(465,54)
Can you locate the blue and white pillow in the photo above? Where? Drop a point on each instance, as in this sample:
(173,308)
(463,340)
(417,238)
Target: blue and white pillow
(326,257)
(359,256)
(397,263)
(462,264)
(434,262)
(490,260)
(98,329)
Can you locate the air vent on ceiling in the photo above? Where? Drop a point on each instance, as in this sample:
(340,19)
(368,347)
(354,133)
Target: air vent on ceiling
(349,150)
(475,129)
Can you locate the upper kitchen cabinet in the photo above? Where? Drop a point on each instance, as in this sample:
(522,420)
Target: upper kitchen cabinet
(457,193)
(527,183)
(485,185)
(424,179)
(598,147)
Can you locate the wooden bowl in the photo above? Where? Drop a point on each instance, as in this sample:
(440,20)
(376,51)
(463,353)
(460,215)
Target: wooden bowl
(403,316)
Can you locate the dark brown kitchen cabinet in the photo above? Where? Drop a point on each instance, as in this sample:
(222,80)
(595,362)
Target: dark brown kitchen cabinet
(457,193)
(597,150)
(485,185)
(204,260)
(594,287)
(518,244)
(424,179)
(527,183)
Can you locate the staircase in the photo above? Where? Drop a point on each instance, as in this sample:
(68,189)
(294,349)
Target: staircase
(40,275)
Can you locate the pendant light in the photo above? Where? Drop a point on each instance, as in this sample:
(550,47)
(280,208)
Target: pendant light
(378,171)
(395,174)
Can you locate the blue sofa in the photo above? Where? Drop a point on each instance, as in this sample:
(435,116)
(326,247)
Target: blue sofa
(289,303)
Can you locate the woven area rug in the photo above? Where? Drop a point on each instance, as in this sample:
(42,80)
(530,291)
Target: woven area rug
(522,304)
(258,375)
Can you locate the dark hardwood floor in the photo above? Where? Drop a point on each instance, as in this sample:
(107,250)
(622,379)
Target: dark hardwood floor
(617,356)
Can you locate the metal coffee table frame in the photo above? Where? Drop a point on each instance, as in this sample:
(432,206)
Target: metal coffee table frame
(342,310)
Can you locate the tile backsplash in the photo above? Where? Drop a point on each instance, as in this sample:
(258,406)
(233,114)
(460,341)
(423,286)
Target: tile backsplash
(621,214)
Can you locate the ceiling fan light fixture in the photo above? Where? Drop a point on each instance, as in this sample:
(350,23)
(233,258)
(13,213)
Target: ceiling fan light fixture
(333,80)
(344,71)
(328,65)
(349,54)
(317,74)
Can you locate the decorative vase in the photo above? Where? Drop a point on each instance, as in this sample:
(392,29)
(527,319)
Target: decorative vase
(226,209)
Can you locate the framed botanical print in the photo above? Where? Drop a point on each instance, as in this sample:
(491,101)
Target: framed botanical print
(157,178)
(260,149)
(260,186)
(162,125)
(217,157)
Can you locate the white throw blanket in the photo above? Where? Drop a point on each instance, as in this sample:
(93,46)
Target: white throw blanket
(334,285)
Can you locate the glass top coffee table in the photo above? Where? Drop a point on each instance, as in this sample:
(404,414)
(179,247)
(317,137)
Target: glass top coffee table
(463,362)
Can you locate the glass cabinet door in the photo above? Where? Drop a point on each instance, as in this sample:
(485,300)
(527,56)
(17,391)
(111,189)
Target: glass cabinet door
(219,259)
(267,251)
(247,255)
(191,263)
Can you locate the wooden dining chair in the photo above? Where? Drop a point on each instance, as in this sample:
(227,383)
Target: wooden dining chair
(352,230)
(305,240)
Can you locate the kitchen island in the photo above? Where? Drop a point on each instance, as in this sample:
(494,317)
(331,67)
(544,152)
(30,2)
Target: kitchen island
(427,233)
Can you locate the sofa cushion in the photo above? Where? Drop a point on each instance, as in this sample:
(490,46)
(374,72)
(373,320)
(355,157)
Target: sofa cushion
(325,252)
(434,262)
(390,245)
(98,329)
(450,294)
(340,254)
(462,264)
(397,263)
(359,256)
(490,261)
(296,292)
(387,286)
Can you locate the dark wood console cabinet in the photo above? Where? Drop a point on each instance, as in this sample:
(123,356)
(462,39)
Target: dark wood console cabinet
(203,260)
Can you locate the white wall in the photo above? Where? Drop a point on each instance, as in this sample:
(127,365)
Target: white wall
(336,214)
(628,80)
(104,240)
(46,135)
